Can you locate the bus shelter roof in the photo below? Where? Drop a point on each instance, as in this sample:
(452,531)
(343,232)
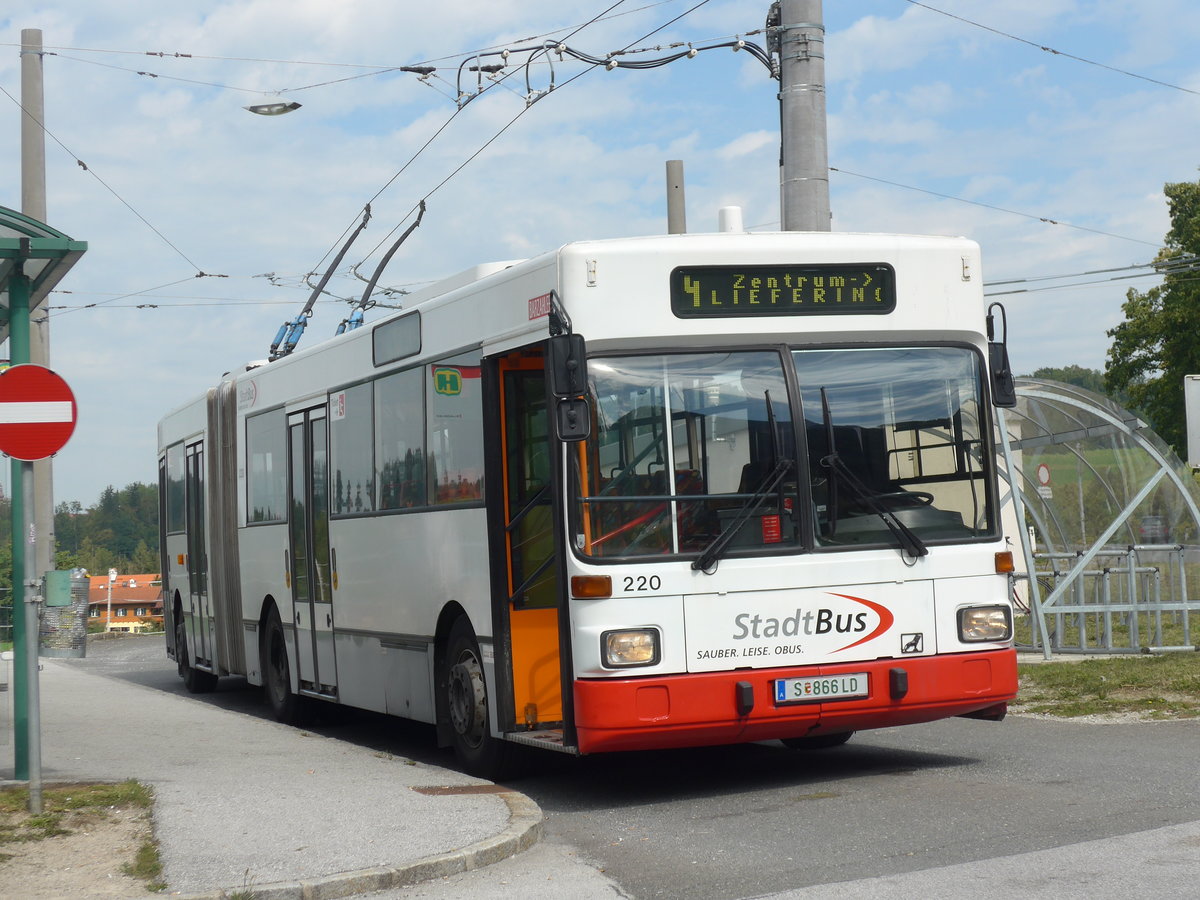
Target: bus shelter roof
(1082,460)
(47,255)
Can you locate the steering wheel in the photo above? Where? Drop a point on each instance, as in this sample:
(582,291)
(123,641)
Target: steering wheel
(913,498)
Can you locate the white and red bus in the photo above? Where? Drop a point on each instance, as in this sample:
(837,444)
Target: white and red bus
(638,493)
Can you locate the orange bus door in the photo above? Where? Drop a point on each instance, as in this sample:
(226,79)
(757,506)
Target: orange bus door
(531,564)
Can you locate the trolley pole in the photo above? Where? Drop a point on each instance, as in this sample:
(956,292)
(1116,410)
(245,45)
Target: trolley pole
(804,152)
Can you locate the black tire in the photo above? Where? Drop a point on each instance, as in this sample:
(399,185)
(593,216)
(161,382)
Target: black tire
(465,700)
(819,742)
(277,673)
(196,681)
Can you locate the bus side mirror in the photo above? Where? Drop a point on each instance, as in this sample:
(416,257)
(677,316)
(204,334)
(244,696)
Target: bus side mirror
(573,419)
(1004,389)
(566,364)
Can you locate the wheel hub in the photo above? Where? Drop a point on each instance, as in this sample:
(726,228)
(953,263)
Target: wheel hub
(468,700)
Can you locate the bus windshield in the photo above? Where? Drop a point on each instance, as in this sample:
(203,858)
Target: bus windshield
(681,442)
(906,429)
(693,451)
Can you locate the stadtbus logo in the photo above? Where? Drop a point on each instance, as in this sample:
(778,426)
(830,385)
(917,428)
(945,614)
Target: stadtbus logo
(816,622)
(447,380)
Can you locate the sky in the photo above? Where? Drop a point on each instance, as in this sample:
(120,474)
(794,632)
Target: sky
(202,220)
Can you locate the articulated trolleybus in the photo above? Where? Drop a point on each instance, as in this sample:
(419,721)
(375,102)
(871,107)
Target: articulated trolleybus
(630,494)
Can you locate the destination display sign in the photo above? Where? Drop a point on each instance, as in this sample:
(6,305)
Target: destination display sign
(800,290)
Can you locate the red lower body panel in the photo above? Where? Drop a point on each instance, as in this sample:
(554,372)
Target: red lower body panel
(707,708)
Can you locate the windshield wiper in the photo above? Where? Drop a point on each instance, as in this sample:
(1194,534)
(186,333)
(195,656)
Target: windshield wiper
(706,561)
(905,536)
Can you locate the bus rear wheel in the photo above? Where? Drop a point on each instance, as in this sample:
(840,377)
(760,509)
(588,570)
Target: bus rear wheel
(277,674)
(196,681)
(466,703)
(817,742)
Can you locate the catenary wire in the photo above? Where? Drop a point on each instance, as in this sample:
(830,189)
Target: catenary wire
(1051,50)
(199,272)
(445,125)
(224,87)
(100,303)
(302,62)
(526,109)
(1048,221)
(945,196)
(1060,287)
(353,224)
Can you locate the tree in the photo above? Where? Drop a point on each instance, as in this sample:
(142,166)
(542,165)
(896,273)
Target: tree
(1156,345)
(1089,379)
(143,559)
(120,531)
(97,558)
(67,525)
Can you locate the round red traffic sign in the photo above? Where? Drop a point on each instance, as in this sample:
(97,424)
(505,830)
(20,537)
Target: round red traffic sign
(37,412)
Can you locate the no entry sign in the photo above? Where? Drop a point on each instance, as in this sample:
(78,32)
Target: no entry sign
(37,412)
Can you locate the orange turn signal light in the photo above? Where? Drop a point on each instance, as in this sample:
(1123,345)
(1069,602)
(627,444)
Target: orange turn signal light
(591,587)
(1004,563)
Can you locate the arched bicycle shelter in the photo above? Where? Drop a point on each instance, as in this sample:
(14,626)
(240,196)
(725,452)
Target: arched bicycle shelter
(1111,519)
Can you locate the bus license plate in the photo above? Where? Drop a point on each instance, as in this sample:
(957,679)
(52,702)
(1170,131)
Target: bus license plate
(821,688)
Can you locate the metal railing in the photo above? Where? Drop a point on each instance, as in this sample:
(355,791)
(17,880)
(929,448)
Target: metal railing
(1131,599)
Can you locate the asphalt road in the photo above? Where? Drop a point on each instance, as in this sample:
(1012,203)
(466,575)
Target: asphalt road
(755,820)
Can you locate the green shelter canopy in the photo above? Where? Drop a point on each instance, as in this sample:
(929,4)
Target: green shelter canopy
(43,254)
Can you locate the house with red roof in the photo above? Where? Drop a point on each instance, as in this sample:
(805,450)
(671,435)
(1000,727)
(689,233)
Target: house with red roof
(125,602)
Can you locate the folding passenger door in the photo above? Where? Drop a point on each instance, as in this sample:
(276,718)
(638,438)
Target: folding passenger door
(199,615)
(530,579)
(308,550)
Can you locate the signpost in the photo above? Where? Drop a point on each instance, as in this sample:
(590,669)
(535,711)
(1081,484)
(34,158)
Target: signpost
(34,258)
(1043,476)
(37,417)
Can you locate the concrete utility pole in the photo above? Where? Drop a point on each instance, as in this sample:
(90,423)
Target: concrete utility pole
(33,204)
(676,207)
(804,153)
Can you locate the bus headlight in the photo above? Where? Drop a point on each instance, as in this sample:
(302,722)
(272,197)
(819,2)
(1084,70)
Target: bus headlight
(633,647)
(984,623)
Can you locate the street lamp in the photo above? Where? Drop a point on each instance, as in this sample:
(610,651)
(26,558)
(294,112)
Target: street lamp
(275,108)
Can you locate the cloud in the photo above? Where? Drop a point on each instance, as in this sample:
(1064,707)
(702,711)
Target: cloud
(914,97)
(747,144)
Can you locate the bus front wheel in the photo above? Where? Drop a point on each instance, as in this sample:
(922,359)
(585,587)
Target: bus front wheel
(818,742)
(277,675)
(466,704)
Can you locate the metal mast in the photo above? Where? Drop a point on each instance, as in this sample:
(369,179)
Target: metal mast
(804,154)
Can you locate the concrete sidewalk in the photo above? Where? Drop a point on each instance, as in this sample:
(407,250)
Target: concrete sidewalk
(243,801)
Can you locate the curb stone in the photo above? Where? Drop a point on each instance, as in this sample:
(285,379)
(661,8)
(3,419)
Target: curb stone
(523,831)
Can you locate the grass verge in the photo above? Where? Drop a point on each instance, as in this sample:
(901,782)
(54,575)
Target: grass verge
(67,808)
(1163,686)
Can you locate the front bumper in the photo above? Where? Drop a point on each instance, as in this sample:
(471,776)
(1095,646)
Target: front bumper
(718,708)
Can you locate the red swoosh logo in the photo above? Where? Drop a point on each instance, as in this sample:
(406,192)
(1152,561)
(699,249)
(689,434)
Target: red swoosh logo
(885,619)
